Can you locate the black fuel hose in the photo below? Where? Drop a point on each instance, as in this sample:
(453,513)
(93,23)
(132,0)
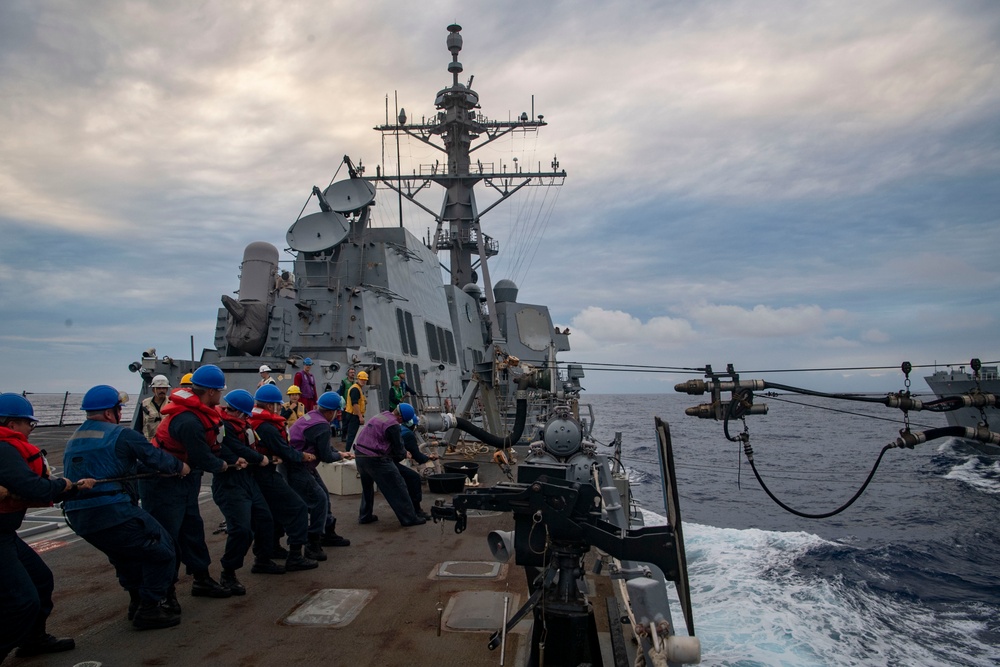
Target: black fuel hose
(520,417)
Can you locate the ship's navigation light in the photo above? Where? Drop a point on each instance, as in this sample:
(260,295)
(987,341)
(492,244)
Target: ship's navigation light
(524,116)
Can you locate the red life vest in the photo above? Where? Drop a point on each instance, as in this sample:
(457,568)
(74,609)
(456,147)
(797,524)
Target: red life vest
(183,400)
(261,416)
(241,429)
(36,463)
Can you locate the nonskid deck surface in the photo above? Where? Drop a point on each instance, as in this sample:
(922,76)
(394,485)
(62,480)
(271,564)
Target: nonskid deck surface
(396,567)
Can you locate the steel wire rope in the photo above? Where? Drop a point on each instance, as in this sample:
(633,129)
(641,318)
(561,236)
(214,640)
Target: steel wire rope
(545,223)
(525,213)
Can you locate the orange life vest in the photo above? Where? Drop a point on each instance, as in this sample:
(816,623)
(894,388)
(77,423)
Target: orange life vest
(35,459)
(183,400)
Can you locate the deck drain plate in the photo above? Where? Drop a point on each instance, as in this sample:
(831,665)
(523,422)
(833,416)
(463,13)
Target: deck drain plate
(468,569)
(329,607)
(477,611)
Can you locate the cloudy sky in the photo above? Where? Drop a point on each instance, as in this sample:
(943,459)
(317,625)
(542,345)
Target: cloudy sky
(774,184)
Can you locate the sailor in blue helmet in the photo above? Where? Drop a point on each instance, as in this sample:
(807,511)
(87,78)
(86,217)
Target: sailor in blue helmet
(313,433)
(191,431)
(377,448)
(109,517)
(26,583)
(287,508)
(238,496)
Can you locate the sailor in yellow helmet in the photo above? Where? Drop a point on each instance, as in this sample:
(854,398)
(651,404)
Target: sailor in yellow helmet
(354,408)
(294,408)
(186,380)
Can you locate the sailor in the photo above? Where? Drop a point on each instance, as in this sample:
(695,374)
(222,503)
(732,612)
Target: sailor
(238,496)
(377,449)
(409,396)
(305,381)
(395,393)
(25,581)
(151,410)
(191,432)
(294,408)
(345,383)
(287,508)
(354,409)
(313,434)
(411,477)
(109,516)
(186,380)
(265,376)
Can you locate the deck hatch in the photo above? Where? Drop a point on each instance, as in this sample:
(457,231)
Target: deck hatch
(468,569)
(329,607)
(477,611)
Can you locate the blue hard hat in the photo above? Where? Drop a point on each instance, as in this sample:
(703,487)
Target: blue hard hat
(269,393)
(239,399)
(209,376)
(101,397)
(16,406)
(331,400)
(406,411)
(307,361)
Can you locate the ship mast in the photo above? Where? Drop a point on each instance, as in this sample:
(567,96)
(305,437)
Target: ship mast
(458,124)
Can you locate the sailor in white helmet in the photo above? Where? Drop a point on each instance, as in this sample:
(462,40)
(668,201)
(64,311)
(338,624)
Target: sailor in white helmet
(265,376)
(150,411)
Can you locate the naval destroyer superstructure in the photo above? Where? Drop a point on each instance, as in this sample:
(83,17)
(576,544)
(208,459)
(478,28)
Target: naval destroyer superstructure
(377,299)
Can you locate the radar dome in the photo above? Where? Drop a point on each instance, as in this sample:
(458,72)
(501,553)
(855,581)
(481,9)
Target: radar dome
(473,290)
(505,290)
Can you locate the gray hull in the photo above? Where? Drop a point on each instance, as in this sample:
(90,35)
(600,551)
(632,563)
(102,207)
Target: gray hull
(953,382)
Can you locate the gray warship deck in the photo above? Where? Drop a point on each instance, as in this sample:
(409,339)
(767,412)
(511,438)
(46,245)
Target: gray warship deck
(397,626)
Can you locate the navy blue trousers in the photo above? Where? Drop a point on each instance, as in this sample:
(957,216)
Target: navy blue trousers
(247,516)
(25,592)
(412,479)
(382,470)
(173,502)
(313,494)
(287,508)
(143,554)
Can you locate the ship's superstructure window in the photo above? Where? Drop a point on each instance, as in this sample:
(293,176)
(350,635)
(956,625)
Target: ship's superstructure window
(411,336)
(441,343)
(400,320)
(432,341)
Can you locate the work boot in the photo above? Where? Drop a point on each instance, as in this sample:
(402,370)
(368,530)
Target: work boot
(422,514)
(296,562)
(367,519)
(205,586)
(154,615)
(229,581)
(278,551)
(331,539)
(313,550)
(419,522)
(43,642)
(267,566)
(170,603)
(134,601)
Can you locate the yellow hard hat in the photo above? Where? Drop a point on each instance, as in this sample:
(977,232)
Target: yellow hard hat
(187,378)
(362,376)
(294,389)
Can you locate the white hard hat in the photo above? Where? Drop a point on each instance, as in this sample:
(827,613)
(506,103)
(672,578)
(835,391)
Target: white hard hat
(160,381)
(264,369)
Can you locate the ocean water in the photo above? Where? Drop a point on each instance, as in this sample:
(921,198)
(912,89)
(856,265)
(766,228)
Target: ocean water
(908,575)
